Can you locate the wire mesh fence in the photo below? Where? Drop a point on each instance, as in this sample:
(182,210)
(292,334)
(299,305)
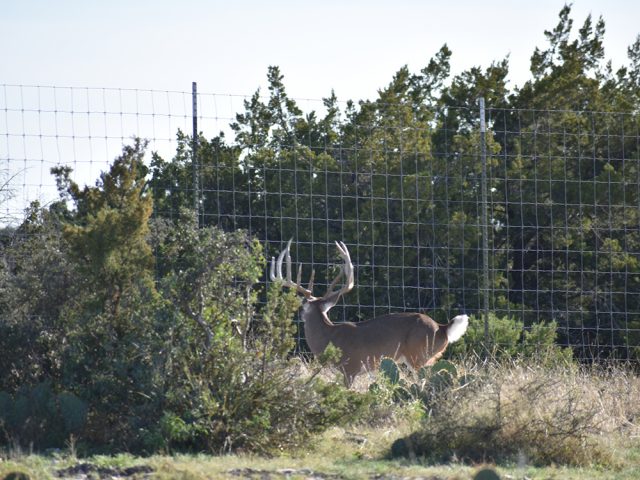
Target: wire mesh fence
(536,219)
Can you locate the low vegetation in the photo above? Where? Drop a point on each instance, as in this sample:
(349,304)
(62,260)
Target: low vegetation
(521,411)
(523,419)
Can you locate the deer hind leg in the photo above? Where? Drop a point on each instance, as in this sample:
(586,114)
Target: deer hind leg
(416,362)
(418,351)
(434,359)
(350,369)
(348,378)
(436,355)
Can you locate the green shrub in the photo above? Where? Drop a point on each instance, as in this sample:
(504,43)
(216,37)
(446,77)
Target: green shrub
(508,338)
(253,398)
(37,416)
(152,337)
(231,384)
(190,363)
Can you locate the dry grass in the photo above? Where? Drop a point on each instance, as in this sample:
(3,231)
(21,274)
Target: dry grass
(524,412)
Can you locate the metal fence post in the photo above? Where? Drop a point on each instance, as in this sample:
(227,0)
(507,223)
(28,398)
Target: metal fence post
(194,148)
(485,228)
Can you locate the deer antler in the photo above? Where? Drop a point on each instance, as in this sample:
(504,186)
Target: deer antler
(276,273)
(346,269)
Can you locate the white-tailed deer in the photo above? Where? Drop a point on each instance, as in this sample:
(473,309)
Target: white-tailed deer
(411,338)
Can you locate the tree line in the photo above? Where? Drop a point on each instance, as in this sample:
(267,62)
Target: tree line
(398,178)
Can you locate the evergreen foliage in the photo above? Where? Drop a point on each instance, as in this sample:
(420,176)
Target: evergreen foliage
(399,179)
(143,355)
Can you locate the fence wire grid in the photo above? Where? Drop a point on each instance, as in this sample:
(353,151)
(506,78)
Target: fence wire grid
(527,214)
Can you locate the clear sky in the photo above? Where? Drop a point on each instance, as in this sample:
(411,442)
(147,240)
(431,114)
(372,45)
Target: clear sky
(104,48)
(226,46)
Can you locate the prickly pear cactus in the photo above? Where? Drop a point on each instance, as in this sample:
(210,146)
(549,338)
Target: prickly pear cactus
(444,375)
(445,365)
(431,380)
(424,373)
(487,474)
(390,370)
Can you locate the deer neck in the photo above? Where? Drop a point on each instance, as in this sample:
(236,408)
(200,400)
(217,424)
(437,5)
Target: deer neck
(318,329)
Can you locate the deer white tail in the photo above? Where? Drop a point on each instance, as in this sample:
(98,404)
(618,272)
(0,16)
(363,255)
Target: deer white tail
(457,328)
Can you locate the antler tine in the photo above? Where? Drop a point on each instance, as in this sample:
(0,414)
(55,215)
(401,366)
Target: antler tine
(276,272)
(348,266)
(335,280)
(299,276)
(272,270)
(279,264)
(288,254)
(345,269)
(343,251)
(313,274)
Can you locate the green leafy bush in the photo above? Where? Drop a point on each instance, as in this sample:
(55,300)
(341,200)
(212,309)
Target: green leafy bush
(247,405)
(232,385)
(38,416)
(147,352)
(508,338)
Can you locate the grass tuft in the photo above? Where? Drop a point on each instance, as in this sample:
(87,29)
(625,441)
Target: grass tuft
(519,411)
